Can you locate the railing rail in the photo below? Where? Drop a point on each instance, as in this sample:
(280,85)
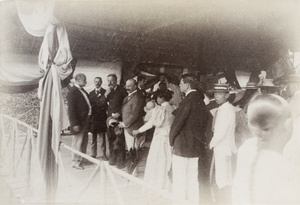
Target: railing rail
(28,143)
(14,144)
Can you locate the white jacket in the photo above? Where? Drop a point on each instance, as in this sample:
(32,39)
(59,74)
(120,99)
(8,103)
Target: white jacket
(223,140)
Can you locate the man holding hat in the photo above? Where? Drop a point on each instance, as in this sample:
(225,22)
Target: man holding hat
(292,149)
(223,140)
(115,95)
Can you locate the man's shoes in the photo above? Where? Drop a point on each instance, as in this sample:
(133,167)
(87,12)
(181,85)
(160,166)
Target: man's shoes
(80,167)
(86,162)
(93,156)
(121,166)
(104,158)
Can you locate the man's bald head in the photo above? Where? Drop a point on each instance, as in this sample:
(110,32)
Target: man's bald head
(131,85)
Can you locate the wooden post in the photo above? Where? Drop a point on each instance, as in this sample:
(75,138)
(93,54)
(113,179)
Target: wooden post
(102,184)
(29,150)
(13,149)
(2,139)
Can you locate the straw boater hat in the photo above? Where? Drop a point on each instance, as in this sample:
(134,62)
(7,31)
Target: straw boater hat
(221,87)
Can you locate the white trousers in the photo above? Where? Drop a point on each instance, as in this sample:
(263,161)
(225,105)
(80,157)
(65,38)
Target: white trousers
(223,170)
(130,140)
(185,179)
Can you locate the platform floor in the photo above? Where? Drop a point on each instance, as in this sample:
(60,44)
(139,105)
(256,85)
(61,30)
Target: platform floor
(72,182)
(130,191)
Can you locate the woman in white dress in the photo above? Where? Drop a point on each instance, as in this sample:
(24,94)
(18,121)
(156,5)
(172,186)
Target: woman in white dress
(159,157)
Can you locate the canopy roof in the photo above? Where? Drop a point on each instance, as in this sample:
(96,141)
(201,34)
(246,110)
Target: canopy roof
(205,35)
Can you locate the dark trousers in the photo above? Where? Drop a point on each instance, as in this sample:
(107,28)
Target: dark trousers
(94,144)
(116,148)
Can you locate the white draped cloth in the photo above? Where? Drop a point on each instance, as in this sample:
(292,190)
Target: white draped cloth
(36,16)
(160,157)
(54,60)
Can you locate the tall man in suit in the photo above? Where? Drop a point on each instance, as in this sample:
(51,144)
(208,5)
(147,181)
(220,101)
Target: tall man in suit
(132,113)
(188,141)
(115,96)
(98,121)
(79,110)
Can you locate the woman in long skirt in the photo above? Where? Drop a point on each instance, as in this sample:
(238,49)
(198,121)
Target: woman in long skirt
(159,158)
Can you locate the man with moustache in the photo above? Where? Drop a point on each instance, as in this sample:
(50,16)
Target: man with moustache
(132,114)
(79,110)
(115,96)
(98,120)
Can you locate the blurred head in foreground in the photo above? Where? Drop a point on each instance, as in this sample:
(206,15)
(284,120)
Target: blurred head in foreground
(269,119)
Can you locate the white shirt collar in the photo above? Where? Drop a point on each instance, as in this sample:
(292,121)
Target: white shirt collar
(224,104)
(189,91)
(132,93)
(77,85)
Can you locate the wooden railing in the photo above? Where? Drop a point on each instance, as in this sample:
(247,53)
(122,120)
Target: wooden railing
(18,148)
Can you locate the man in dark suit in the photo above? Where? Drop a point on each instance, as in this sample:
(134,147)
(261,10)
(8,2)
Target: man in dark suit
(132,112)
(79,110)
(188,141)
(141,83)
(98,121)
(115,96)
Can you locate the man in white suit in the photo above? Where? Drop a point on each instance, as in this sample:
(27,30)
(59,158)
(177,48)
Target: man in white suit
(223,141)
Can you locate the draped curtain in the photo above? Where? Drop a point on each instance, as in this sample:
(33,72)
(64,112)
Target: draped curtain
(54,64)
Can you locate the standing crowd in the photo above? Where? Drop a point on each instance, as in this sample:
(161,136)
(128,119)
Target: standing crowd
(206,146)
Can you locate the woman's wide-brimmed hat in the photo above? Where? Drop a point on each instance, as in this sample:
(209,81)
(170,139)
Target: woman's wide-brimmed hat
(149,106)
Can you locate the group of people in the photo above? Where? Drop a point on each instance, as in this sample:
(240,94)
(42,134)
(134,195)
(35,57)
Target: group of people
(194,146)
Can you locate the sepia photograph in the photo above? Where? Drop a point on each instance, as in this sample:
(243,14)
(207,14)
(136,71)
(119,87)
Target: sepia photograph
(149,102)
